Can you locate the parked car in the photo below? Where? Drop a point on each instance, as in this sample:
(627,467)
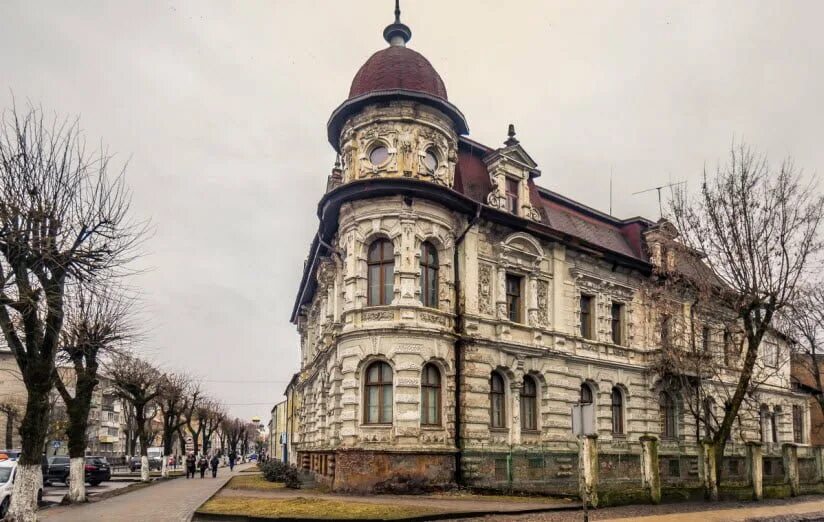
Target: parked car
(56,469)
(154,463)
(11,454)
(8,471)
(97,470)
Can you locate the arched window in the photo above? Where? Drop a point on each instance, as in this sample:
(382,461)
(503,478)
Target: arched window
(497,401)
(381,272)
(617,411)
(529,404)
(431,395)
(429,275)
(586,394)
(668,424)
(378,394)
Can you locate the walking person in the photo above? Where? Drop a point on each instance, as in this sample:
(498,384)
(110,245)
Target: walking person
(203,464)
(232,457)
(190,465)
(214,462)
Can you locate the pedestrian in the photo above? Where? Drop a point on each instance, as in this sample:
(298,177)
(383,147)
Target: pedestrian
(203,464)
(232,457)
(190,465)
(214,462)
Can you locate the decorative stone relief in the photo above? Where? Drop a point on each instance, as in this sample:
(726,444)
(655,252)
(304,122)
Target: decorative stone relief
(485,289)
(543,302)
(378,315)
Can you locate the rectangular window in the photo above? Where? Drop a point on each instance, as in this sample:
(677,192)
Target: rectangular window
(729,350)
(666,328)
(705,339)
(512,195)
(798,424)
(674,468)
(586,316)
(769,354)
(513,297)
(617,323)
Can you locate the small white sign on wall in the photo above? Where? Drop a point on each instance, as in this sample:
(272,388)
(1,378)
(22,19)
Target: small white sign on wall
(583,419)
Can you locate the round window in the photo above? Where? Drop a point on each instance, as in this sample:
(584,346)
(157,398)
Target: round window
(430,161)
(379,155)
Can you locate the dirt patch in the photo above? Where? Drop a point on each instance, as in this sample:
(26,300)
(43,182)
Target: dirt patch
(310,508)
(253,483)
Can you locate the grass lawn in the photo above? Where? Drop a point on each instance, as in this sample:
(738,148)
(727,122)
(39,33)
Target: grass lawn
(302,507)
(253,482)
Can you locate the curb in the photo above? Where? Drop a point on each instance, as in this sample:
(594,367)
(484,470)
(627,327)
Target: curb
(200,516)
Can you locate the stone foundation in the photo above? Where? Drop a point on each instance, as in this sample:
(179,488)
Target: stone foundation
(360,471)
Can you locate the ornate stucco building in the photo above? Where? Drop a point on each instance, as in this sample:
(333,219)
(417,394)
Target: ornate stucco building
(452,311)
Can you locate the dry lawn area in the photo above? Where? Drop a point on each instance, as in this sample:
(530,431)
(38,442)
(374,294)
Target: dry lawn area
(253,483)
(302,507)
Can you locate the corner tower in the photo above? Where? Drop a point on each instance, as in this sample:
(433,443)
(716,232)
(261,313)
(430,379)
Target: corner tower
(397,120)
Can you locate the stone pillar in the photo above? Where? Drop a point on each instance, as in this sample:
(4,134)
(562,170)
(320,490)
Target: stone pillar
(650,474)
(755,465)
(710,473)
(789,451)
(515,392)
(819,463)
(588,468)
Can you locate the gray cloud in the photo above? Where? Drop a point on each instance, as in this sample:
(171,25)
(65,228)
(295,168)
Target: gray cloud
(221,108)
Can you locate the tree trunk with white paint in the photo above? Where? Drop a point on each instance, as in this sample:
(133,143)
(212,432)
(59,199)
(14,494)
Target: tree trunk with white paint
(144,468)
(27,483)
(77,480)
(164,468)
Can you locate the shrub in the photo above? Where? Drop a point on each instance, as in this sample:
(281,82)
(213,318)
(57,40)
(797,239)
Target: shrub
(276,471)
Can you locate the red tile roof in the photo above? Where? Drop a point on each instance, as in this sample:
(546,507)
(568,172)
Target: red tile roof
(557,212)
(395,68)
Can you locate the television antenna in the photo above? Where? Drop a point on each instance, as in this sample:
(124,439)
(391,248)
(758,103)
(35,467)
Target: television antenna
(660,209)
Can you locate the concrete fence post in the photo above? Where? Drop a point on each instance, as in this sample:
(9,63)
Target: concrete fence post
(755,465)
(710,473)
(650,474)
(789,453)
(588,482)
(819,463)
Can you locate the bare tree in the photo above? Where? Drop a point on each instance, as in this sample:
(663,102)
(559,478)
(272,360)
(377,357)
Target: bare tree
(197,409)
(97,321)
(137,382)
(11,409)
(805,321)
(63,219)
(758,230)
(233,431)
(176,393)
(214,415)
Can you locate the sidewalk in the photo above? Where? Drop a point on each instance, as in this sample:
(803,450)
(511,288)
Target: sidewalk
(168,501)
(731,515)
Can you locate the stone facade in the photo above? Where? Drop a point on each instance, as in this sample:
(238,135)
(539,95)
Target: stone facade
(542,292)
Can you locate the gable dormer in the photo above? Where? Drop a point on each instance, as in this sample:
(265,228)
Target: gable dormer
(510,168)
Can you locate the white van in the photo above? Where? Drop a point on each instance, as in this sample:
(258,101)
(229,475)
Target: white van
(8,470)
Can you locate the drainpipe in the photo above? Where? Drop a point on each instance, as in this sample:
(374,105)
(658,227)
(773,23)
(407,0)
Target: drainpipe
(459,342)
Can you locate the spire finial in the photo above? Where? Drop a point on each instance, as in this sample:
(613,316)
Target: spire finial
(512,140)
(397,34)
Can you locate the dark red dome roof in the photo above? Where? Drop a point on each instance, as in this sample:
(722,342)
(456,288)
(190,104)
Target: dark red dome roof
(397,67)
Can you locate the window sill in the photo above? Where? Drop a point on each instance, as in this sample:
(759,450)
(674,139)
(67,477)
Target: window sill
(621,436)
(431,427)
(364,425)
(530,432)
(499,430)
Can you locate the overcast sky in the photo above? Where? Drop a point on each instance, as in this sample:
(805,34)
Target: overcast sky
(220,108)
